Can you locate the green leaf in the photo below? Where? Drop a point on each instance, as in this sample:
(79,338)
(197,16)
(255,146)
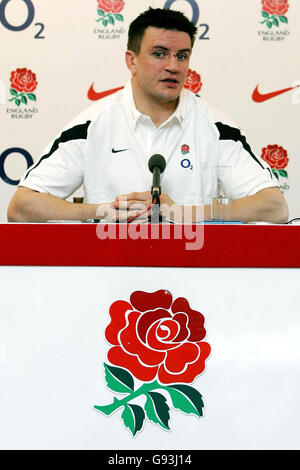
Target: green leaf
(275,22)
(31,96)
(133,417)
(118,17)
(100,12)
(18,102)
(111,19)
(283,173)
(157,409)
(13,92)
(269,24)
(265,14)
(24,99)
(186,399)
(275,173)
(104,22)
(283,19)
(118,380)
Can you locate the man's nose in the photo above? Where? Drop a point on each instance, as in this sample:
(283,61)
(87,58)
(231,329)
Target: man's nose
(172,64)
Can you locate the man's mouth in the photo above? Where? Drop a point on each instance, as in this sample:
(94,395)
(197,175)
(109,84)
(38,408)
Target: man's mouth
(172,82)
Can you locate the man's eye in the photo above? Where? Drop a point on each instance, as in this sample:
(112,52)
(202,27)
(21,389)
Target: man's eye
(158,54)
(181,56)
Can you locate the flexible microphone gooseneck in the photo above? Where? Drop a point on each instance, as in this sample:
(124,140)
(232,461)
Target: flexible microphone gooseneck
(156,165)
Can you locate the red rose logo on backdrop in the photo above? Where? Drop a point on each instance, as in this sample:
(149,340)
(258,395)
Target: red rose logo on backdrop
(113,6)
(193,81)
(159,342)
(273,12)
(275,7)
(23,81)
(277,158)
(109,11)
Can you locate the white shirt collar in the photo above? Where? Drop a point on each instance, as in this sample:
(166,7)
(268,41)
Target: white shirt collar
(135,115)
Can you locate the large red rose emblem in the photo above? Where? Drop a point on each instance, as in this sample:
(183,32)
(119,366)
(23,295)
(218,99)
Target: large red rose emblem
(154,337)
(113,6)
(193,81)
(275,7)
(275,156)
(23,80)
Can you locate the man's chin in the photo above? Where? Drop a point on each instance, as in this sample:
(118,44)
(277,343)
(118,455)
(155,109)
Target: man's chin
(171,94)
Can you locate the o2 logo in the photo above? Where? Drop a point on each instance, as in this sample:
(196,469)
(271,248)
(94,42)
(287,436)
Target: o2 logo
(195,17)
(186,164)
(30,17)
(3,158)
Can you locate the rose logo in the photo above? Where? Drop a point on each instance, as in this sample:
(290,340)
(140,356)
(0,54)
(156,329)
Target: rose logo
(185,149)
(158,342)
(193,81)
(273,12)
(277,158)
(23,81)
(109,11)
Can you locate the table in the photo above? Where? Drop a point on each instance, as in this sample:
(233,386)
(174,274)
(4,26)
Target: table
(58,283)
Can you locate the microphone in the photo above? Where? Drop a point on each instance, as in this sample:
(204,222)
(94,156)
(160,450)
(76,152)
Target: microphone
(156,165)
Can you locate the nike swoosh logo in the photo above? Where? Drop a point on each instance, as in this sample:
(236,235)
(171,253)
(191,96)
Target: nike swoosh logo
(95,96)
(260,98)
(118,151)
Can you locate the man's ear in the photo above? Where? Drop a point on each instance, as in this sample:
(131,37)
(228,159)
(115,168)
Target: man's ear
(130,58)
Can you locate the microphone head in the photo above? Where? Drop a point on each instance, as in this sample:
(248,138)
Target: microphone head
(157,160)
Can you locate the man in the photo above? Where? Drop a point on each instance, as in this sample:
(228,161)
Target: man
(109,149)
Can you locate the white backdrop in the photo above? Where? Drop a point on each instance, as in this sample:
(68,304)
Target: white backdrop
(67,50)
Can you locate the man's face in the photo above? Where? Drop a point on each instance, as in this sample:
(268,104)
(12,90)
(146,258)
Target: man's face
(159,70)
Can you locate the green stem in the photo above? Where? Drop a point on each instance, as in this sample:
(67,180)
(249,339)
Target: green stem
(17,96)
(145,388)
(268,19)
(103,18)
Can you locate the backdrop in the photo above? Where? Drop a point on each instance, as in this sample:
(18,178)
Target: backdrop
(57,58)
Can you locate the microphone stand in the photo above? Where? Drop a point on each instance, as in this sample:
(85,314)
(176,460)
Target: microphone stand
(155,209)
(156,192)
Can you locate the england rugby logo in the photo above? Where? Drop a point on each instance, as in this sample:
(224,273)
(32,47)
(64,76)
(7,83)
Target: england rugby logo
(156,352)
(273,12)
(23,84)
(277,157)
(109,11)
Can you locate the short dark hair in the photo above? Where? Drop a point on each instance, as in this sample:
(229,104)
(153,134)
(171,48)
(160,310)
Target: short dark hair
(158,18)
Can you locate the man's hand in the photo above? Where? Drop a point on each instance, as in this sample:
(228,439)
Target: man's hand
(129,205)
(123,209)
(133,205)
